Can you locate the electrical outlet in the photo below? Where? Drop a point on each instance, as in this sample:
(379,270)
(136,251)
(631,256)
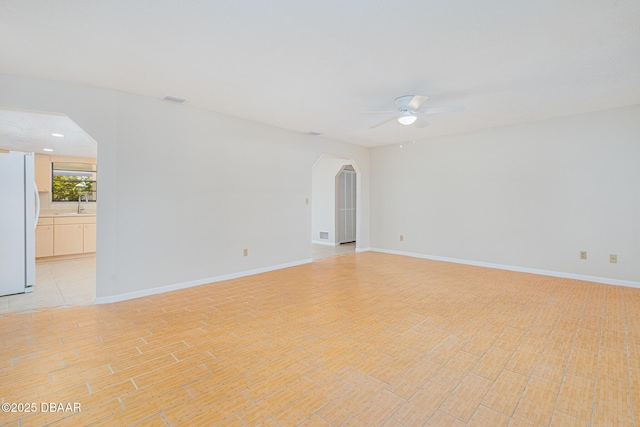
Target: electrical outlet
(401,238)
(245,252)
(613,258)
(583,254)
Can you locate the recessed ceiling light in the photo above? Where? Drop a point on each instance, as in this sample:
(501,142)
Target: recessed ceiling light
(313,133)
(57,135)
(47,149)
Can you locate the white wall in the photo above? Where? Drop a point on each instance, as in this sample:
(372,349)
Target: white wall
(323,201)
(531,195)
(183,191)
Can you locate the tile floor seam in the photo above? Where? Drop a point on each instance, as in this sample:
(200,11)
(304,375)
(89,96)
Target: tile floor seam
(390,417)
(163,417)
(460,382)
(498,411)
(453,416)
(571,416)
(273,393)
(149,417)
(331,401)
(563,324)
(480,402)
(595,382)
(191,415)
(325,420)
(357,410)
(515,409)
(575,334)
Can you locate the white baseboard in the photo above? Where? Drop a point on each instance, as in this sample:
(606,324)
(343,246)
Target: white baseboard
(605,280)
(324,242)
(363,249)
(174,287)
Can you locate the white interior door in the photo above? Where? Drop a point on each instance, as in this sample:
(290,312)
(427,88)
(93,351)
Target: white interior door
(346,214)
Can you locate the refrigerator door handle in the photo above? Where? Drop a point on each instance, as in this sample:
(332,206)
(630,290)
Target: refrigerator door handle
(37,195)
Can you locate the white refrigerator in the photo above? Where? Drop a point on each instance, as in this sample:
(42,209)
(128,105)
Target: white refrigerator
(19,210)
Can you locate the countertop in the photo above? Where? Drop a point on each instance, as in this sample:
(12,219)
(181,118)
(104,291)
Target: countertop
(59,214)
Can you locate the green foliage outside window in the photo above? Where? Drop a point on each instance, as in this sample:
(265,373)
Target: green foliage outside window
(69,188)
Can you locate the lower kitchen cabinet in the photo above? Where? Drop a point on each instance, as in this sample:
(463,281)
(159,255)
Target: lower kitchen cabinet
(65,235)
(44,237)
(89,238)
(68,239)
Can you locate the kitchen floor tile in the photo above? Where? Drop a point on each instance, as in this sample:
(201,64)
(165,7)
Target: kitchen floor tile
(59,283)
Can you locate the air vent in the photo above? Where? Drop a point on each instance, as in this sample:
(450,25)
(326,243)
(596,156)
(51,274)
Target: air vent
(174,99)
(324,235)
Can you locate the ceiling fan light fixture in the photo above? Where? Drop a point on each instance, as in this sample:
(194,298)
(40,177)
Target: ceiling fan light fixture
(407,119)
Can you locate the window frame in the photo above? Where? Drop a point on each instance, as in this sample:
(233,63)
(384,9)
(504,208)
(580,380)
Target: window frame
(74,169)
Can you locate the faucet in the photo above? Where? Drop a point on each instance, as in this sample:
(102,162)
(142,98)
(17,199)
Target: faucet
(86,200)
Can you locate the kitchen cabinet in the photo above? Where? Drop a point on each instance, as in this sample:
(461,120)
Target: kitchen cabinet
(65,235)
(42,167)
(89,238)
(68,239)
(44,237)
(74,235)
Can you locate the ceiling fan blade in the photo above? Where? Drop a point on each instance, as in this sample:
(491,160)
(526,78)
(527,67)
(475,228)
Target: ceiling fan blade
(381,123)
(416,102)
(379,112)
(437,110)
(421,123)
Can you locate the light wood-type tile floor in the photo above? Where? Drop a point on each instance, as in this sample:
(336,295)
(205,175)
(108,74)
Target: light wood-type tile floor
(63,283)
(365,339)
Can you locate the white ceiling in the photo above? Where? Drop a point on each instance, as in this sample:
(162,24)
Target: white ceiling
(32,131)
(310,65)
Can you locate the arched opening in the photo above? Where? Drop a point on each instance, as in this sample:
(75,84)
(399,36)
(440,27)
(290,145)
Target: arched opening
(335,213)
(66,178)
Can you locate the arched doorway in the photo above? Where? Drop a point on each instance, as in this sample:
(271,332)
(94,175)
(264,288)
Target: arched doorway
(65,247)
(335,224)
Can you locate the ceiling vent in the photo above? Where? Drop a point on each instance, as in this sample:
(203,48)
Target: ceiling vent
(174,99)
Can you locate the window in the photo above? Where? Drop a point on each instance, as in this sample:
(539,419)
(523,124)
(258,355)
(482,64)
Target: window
(71,180)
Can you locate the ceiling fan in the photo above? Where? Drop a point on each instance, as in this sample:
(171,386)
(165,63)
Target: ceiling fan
(409,111)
